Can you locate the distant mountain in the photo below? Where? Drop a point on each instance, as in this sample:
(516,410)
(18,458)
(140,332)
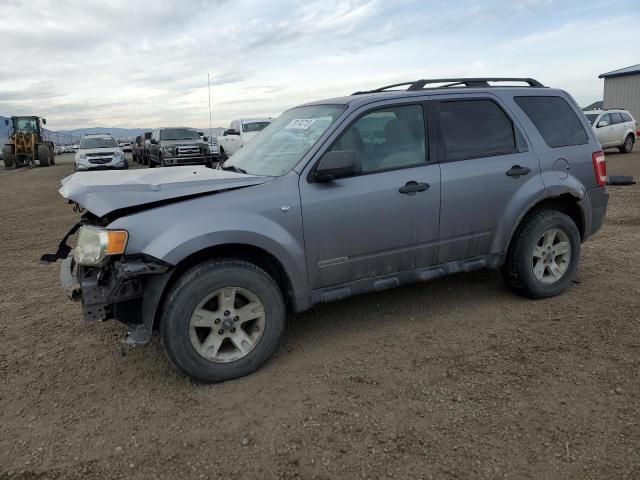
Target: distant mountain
(117,133)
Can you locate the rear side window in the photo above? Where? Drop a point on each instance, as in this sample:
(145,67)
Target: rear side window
(474,129)
(615,118)
(555,120)
(626,117)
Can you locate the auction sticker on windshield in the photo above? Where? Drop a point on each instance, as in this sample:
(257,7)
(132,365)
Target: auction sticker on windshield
(301,123)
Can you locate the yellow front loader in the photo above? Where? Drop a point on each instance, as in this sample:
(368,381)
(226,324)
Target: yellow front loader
(27,144)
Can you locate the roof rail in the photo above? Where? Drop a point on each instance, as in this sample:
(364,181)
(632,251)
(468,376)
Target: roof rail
(481,82)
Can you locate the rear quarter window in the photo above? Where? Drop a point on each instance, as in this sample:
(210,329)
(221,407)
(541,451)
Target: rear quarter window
(626,117)
(554,118)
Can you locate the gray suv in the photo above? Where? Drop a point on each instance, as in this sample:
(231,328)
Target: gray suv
(335,198)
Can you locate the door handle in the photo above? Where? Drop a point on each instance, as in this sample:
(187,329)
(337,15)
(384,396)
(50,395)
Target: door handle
(411,188)
(517,171)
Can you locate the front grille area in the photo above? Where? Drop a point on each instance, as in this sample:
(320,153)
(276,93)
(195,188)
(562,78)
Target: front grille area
(100,154)
(99,161)
(195,150)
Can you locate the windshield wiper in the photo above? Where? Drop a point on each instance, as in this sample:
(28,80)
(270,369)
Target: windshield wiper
(233,168)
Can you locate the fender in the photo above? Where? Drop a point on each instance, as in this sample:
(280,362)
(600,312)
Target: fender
(554,188)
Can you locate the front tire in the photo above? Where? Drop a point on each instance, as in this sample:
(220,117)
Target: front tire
(7,158)
(544,255)
(44,155)
(222,320)
(627,147)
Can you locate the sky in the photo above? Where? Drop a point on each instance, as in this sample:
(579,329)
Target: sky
(112,63)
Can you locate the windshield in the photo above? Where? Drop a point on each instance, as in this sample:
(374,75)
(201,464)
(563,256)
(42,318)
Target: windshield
(285,141)
(97,142)
(254,126)
(27,125)
(592,117)
(179,134)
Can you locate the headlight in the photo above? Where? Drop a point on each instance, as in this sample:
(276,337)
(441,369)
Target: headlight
(96,244)
(118,154)
(168,150)
(82,157)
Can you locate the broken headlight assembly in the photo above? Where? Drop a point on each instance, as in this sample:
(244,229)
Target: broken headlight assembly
(95,245)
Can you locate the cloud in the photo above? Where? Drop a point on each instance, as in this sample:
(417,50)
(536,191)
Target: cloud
(119,63)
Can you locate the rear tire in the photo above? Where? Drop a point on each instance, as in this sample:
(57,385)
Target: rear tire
(44,155)
(536,266)
(186,345)
(627,147)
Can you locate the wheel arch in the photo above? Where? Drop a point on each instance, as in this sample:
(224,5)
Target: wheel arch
(241,251)
(566,202)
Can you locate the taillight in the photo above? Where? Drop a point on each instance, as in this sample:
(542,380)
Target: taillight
(600,168)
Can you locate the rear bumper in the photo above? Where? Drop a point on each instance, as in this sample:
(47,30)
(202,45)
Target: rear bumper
(594,205)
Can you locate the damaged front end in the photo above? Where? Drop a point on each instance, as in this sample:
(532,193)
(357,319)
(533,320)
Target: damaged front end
(124,288)
(112,279)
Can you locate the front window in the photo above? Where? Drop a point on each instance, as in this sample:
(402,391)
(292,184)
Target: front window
(387,139)
(592,117)
(254,126)
(285,141)
(27,125)
(179,134)
(98,142)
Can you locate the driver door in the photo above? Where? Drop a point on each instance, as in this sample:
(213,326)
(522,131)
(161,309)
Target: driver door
(369,226)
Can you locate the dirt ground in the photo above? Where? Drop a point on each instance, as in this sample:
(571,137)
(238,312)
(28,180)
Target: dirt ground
(456,378)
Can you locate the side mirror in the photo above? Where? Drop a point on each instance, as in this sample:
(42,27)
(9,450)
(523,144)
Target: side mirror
(205,139)
(154,141)
(337,164)
(44,121)
(603,123)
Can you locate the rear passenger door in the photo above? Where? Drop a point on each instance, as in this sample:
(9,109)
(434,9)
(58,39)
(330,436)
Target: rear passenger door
(618,129)
(488,173)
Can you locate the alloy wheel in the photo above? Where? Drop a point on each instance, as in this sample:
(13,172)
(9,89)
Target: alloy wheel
(227,325)
(551,256)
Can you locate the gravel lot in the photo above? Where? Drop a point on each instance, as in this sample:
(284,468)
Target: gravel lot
(457,378)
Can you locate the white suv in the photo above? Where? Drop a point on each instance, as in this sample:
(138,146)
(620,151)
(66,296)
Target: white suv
(614,128)
(100,151)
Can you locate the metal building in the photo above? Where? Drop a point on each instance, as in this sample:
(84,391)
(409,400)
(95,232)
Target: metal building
(622,89)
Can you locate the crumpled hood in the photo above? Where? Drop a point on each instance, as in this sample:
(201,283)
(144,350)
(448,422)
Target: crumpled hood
(106,191)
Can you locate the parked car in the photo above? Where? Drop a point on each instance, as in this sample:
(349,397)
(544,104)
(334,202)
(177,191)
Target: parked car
(178,146)
(125,146)
(614,128)
(239,133)
(99,152)
(462,177)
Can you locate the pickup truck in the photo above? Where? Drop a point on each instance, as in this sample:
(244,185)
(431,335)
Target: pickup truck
(178,146)
(240,132)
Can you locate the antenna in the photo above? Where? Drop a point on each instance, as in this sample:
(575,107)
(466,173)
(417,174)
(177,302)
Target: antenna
(210,125)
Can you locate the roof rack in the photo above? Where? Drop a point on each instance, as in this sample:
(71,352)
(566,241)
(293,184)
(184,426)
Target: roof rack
(453,82)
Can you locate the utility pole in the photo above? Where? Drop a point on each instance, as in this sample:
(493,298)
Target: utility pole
(210,123)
